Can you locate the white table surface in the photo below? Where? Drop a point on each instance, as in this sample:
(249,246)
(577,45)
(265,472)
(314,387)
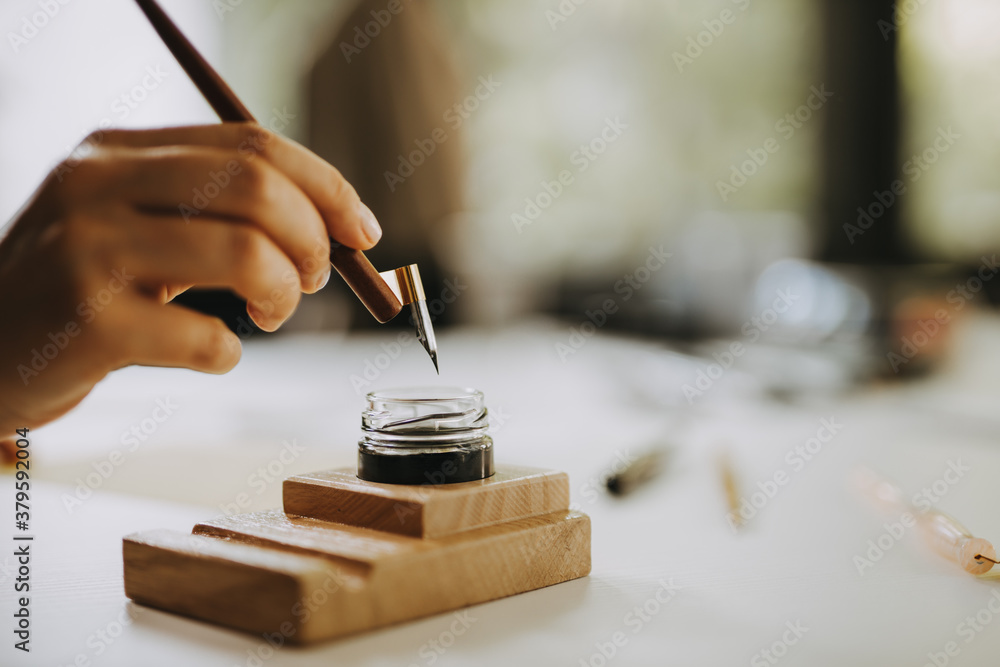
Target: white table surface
(734,592)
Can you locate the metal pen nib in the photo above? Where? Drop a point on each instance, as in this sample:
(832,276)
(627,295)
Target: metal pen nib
(425,330)
(405,283)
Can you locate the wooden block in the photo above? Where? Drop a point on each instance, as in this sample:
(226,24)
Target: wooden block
(310,572)
(228,583)
(426,510)
(260,572)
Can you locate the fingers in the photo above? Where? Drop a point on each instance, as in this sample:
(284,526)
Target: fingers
(175,337)
(201,181)
(213,253)
(8,452)
(347,219)
(167,293)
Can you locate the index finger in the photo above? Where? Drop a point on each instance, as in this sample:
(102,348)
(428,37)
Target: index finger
(347,218)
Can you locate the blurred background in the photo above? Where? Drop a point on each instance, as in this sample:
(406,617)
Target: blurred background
(695,227)
(814,181)
(456,120)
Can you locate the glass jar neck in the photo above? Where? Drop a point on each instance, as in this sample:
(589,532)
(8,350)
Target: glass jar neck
(425,417)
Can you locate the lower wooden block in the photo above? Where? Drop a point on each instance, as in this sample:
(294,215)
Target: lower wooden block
(309,580)
(234,585)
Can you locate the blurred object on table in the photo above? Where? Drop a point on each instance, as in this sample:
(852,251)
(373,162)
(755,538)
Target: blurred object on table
(377,111)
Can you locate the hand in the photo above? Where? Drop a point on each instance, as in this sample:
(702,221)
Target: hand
(89,267)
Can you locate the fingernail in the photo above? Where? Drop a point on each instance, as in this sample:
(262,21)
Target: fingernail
(325,279)
(260,318)
(369,224)
(254,313)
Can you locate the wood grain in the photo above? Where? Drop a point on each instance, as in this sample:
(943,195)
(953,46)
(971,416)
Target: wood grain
(265,566)
(308,578)
(426,510)
(231,584)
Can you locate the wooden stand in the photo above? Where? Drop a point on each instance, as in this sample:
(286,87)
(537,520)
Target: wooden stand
(348,555)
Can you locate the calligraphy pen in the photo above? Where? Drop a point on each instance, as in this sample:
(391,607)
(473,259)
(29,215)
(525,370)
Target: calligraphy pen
(943,532)
(384,294)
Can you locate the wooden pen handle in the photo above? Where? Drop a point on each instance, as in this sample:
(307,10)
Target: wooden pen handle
(361,276)
(212,87)
(351,264)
